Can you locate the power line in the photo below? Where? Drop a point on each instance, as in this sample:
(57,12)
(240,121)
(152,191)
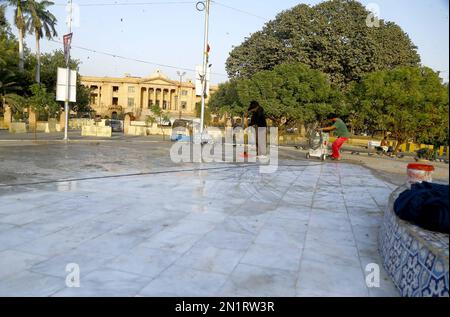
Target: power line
(135,59)
(239,10)
(112,4)
(130,3)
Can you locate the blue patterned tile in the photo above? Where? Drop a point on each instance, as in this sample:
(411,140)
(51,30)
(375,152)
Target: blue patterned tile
(416,259)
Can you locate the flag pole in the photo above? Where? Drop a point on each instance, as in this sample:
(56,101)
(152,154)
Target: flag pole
(66,102)
(205,67)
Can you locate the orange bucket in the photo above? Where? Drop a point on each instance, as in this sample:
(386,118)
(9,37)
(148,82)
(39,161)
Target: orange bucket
(418,173)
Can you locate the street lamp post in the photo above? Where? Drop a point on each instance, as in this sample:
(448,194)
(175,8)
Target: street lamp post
(66,103)
(181,74)
(207,4)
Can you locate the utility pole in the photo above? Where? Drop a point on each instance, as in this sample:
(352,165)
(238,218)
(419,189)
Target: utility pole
(66,102)
(181,74)
(207,4)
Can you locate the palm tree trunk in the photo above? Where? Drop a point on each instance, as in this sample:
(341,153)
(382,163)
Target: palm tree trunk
(38,59)
(21,54)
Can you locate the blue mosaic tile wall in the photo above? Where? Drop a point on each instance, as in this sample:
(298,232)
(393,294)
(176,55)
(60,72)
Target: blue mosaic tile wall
(415,258)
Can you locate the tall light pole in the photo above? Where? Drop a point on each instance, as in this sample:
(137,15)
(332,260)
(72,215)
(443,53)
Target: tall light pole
(66,102)
(181,74)
(206,6)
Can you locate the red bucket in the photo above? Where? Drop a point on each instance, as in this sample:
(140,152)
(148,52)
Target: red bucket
(418,173)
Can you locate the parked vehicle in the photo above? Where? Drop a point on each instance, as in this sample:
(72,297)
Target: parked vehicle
(116,125)
(182,130)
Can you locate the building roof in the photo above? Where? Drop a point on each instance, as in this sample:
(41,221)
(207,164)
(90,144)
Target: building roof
(158,77)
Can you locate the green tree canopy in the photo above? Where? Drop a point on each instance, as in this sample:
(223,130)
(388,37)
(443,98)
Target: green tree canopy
(49,68)
(410,102)
(332,37)
(289,94)
(226,100)
(43,102)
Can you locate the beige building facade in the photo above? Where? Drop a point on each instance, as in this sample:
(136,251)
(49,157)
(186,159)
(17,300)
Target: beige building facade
(115,97)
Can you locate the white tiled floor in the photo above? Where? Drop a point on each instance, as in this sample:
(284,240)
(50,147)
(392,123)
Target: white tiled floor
(308,230)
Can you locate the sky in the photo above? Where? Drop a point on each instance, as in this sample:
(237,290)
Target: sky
(170,32)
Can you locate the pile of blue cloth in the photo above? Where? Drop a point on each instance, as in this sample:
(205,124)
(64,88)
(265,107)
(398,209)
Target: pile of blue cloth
(425,205)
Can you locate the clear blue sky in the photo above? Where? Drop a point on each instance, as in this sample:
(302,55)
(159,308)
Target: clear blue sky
(172,34)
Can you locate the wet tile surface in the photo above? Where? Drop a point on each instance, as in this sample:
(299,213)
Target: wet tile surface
(306,230)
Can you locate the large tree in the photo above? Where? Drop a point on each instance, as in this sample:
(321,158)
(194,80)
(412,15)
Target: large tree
(40,22)
(20,15)
(410,102)
(290,94)
(332,37)
(3,21)
(50,63)
(226,100)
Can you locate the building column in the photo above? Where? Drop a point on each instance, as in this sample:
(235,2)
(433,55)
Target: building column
(144,102)
(154,96)
(98,95)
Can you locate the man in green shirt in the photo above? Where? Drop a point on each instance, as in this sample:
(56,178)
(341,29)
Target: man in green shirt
(341,131)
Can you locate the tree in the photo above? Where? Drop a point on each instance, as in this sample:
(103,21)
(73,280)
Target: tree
(50,63)
(11,80)
(3,22)
(16,102)
(290,94)
(20,14)
(410,102)
(332,37)
(43,102)
(159,117)
(42,23)
(226,100)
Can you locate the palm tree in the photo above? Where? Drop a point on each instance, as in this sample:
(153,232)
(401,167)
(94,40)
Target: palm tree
(19,22)
(42,23)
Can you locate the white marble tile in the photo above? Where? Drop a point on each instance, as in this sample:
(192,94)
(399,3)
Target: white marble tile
(86,261)
(29,284)
(327,253)
(193,227)
(13,262)
(223,239)
(179,281)
(332,237)
(109,243)
(144,261)
(256,281)
(279,236)
(106,283)
(172,241)
(217,233)
(330,279)
(279,256)
(211,259)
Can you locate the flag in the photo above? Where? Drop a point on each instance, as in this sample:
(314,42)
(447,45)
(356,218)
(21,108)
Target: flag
(67,40)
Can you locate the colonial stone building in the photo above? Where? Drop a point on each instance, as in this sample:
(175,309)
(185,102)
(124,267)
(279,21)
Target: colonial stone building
(114,97)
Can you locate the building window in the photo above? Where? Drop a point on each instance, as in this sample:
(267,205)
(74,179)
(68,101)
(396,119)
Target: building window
(150,104)
(115,101)
(130,102)
(183,105)
(131,89)
(115,89)
(184,92)
(164,105)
